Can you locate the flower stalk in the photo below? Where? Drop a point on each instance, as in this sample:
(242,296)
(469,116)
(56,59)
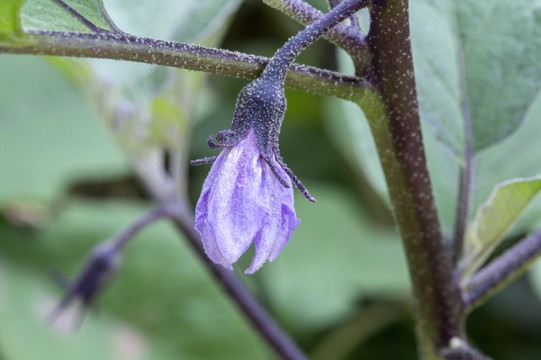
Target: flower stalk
(247,196)
(349,39)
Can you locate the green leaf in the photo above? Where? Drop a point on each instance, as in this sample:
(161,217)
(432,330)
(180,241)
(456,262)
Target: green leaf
(489,37)
(501,41)
(494,219)
(349,130)
(10,20)
(337,245)
(188,21)
(39,15)
(163,299)
(435,48)
(513,158)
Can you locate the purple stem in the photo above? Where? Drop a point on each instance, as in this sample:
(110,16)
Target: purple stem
(398,136)
(279,64)
(353,42)
(354,21)
(502,270)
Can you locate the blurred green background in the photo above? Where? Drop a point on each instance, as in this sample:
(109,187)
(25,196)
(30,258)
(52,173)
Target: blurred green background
(340,287)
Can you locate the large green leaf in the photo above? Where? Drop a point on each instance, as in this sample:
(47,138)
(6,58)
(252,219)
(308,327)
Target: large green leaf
(501,41)
(163,302)
(435,48)
(494,219)
(487,39)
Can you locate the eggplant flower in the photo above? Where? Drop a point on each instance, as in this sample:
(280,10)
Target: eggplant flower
(247,196)
(243,202)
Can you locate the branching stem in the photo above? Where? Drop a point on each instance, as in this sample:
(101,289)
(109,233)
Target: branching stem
(278,66)
(502,270)
(348,38)
(120,46)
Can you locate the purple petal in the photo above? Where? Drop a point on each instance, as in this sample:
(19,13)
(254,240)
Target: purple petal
(201,210)
(243,201)
(281,220)
(269,199)
(226,204)
(288,217)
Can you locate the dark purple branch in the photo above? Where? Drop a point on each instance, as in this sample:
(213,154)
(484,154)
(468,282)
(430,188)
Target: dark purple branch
(439,308)
(248,304)
(502,270)
(278,66)
(466,172)
(354,21)
(352,41)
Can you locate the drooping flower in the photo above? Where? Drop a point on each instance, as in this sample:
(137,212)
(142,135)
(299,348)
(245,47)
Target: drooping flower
(247,196)
(243,202)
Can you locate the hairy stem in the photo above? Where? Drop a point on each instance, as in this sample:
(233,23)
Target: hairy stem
(354,25)
(279,64)
(394,119)
(247,303)
(120,46)
(348,39)
(501,270)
